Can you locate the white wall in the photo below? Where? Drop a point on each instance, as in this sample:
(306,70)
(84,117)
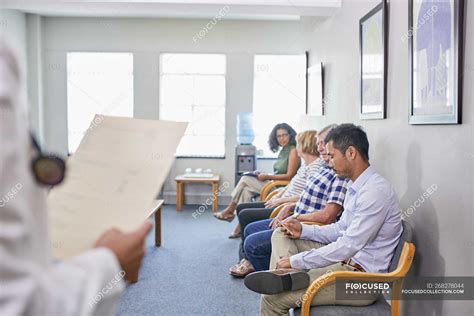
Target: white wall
(35,75)
(13,32)
(147,38)
(413,158)
(23,36)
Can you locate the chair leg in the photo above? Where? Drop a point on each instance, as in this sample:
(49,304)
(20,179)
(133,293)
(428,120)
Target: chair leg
(396,292)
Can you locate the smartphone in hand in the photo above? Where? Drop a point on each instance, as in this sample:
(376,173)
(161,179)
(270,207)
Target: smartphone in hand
(285,227)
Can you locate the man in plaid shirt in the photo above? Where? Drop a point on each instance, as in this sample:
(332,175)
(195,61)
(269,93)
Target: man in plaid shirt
(321,201)
(320,190)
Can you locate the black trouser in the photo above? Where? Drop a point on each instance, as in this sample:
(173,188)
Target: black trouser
(248,213)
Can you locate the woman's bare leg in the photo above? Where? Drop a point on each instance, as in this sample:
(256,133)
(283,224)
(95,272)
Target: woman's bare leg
(236,233)
(227,213)
(229,210)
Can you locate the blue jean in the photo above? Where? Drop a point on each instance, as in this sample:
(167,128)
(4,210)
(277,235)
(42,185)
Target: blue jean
(258,244)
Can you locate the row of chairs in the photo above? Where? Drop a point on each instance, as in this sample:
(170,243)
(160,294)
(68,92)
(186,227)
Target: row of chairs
(399,267)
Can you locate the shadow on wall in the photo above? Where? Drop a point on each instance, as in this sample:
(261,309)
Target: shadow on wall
(419,211)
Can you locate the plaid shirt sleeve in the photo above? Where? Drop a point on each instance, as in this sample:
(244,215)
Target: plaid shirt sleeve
(337,191)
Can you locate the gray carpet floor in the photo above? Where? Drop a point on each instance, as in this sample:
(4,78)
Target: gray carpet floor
(188,274)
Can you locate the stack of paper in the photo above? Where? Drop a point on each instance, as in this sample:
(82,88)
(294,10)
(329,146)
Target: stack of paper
(111,181)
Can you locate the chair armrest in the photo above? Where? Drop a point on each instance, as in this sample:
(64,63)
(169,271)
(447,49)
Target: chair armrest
(313,223)
(271,195)
(276,211)
(330,277)
(269,186)
(278,208)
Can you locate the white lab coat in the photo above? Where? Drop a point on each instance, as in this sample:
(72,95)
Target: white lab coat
(31,283)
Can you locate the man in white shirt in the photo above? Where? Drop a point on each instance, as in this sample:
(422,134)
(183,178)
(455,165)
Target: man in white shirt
(363,240)
(31,282)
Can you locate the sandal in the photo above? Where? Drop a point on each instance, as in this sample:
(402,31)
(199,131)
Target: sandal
(243,269)
(235,266)
(224,218)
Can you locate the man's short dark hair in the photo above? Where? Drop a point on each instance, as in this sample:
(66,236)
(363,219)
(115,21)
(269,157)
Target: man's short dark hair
(346,135)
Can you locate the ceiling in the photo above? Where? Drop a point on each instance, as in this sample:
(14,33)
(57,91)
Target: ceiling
(228,9)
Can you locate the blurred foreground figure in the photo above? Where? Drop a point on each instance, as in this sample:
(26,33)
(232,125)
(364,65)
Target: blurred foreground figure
(31,283)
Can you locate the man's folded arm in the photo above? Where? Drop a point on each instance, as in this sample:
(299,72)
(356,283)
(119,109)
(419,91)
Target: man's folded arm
(324,234)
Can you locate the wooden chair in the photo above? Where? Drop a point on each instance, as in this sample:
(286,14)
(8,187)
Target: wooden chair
(276,211)
(401,263)
(271,194)
(271,185)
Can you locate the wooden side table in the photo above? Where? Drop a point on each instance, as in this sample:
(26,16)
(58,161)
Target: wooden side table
(181,180)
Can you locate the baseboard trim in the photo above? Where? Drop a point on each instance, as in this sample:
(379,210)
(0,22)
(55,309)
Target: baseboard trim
(196,198)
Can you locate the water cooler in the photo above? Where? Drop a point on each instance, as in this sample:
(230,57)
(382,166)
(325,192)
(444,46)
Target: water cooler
(245,152)
(245,160)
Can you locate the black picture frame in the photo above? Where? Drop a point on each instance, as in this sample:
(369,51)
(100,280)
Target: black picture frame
(377,90)
(433,112)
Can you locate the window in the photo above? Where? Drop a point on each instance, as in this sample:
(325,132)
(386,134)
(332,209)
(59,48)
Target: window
(279,95)
(97,83)
(192,89)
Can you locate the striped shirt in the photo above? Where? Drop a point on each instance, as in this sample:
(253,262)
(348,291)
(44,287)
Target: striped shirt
(322,188)
(298,182)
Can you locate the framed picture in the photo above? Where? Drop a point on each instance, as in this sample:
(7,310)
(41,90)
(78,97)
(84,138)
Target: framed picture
(435,40)
(373,41)
(315,102)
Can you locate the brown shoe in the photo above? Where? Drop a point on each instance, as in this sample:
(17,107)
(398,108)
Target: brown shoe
(244,268)
(277,281)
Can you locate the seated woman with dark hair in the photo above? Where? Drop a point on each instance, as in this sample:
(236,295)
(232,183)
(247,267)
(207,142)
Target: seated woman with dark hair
(282,138)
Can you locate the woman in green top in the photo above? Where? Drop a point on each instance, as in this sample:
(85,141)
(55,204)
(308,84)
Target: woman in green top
(282,138)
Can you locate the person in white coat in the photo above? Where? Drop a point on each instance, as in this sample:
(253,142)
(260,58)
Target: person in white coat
(31,281)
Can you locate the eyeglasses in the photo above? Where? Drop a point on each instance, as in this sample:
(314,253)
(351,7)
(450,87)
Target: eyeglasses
(48,169)
(283,135)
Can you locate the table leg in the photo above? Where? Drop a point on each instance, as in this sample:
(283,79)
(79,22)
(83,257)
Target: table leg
(179,195)
(158,227)
(215,200)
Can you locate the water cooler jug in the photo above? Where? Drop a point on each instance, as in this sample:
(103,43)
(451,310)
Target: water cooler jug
(245,152)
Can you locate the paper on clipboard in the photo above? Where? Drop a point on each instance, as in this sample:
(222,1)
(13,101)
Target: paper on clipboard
(112,180)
